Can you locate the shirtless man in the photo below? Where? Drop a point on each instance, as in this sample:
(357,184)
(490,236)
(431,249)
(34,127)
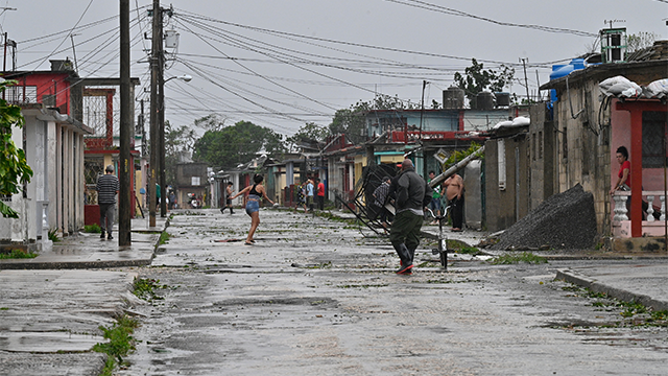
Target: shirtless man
(455,193)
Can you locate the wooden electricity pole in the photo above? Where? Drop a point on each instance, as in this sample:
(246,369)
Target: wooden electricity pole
(125,167)
(156,61)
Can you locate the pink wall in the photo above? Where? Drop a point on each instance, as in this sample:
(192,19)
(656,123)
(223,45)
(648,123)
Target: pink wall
(49,84)
(652,178)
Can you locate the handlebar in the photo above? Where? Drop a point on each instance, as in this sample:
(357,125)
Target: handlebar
(439,217)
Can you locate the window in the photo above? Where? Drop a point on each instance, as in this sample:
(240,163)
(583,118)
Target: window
(653,133)
(564,144)
(502,163)
(540,145)
(21,94)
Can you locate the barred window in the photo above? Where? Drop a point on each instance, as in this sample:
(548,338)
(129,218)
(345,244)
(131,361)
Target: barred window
(653,134)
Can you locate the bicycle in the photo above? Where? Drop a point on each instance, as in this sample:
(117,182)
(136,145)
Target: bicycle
(442,249)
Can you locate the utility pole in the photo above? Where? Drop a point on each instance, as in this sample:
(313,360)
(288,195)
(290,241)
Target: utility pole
(161,137)
(126,128)
(526,81)
(156,62)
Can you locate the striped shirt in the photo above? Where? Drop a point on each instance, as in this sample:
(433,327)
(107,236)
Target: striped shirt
(107,186)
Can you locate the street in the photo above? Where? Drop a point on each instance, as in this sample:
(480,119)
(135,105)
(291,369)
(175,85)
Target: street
(313,296)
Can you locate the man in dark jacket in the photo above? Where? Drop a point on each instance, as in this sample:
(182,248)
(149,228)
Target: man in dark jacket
(405,233)
(107,189)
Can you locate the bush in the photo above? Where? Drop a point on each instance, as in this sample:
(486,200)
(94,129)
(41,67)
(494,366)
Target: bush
(92,229)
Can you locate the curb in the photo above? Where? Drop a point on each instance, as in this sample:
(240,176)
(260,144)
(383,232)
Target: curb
(74,264)
(574,277)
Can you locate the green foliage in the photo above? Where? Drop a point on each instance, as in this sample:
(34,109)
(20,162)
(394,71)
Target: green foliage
(53,235)
(640,40)
(120,340)
(229,146)
(164,238)
(309,132)
(17,254)
(144,288)
(458,155)
(14,169)
(527,257)
(92,229)
(352,121)
(476,79)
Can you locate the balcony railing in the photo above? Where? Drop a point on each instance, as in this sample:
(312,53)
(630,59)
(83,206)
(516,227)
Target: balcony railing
(653,225)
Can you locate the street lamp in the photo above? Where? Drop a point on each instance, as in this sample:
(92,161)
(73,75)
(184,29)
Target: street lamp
(161,137)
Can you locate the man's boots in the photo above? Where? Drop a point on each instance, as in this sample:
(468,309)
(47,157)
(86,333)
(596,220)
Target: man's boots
(406,259)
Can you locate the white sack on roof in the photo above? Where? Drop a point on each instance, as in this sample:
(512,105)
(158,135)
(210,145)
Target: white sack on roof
(657,89)
(521,121)
(619,86)
(505,123)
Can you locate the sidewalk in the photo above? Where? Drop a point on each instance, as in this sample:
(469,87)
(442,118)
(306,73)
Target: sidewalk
(84,250)
(644,282)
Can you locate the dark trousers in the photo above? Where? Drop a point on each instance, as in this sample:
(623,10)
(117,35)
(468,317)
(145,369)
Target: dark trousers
(457,212)
(321,202)
(107,217)
(405,232)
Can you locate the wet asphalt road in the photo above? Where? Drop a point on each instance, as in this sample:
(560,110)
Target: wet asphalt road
(314,297)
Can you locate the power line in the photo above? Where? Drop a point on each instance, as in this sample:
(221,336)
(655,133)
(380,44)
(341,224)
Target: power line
(458,13)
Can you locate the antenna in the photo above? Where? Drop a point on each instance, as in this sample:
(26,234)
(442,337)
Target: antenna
(611,21)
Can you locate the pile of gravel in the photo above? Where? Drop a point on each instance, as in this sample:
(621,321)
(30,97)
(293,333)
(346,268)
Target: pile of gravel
(565,221)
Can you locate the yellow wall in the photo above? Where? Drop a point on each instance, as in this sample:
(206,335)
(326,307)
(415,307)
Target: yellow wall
(392,158)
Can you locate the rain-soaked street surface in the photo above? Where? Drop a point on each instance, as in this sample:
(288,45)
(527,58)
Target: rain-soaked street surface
(314,297)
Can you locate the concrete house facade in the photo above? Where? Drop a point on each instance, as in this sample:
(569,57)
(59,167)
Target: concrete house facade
(581,139)
(54,144)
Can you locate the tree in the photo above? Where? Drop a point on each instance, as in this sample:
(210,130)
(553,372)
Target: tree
(230,146)
(352,121)
(14,169)
(177,141)
(477,79)
(309,132)
(643,39)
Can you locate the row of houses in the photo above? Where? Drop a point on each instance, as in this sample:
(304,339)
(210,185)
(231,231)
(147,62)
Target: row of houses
(570,139)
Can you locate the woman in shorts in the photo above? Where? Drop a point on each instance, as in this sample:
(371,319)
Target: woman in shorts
(255,194)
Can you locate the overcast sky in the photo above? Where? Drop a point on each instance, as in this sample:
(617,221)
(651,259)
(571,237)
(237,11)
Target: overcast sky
(280,64)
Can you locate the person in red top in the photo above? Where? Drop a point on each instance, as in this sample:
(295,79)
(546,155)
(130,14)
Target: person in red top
(321,194)
(624,175)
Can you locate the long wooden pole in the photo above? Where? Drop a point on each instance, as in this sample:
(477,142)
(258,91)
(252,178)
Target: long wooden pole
(446,174)
(125,167)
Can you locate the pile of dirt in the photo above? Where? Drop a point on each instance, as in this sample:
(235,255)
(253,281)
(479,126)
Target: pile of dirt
(565,221)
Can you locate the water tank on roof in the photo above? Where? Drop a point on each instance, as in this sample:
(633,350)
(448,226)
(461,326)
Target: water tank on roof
(453,98)
(564,70)
(502,99)
(485,101)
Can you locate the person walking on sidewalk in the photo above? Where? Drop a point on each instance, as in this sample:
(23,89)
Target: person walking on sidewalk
(455,194)
(255,194)
(410,191)
(321,194)
(107,188)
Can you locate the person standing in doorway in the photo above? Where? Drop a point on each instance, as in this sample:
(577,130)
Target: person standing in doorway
(454,191)
(321,194)
(405,232)
(107,188)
